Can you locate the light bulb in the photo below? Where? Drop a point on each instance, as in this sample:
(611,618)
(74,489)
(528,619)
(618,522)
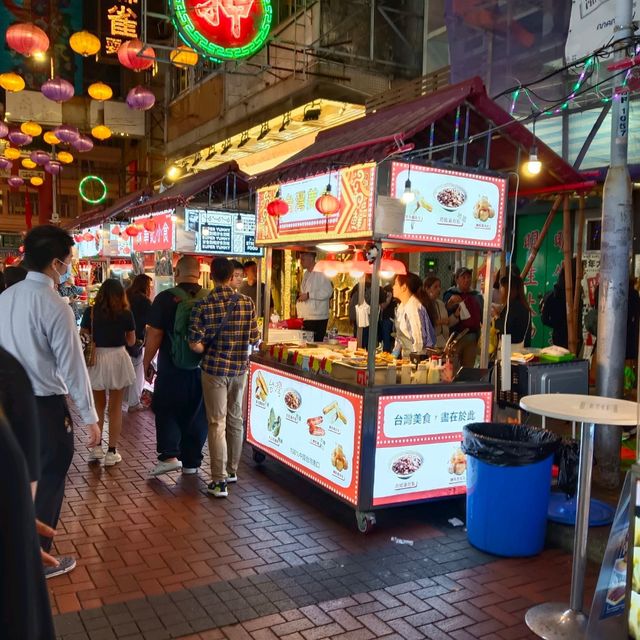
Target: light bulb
(330,272)
(408,196)
(356,274)
(173,172)
(239,223)
(387,275)
(174,218)
(533,166)
(205,231)
(332,247)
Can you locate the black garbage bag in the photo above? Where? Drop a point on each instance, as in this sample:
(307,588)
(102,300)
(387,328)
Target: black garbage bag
(567,458)
(508,445)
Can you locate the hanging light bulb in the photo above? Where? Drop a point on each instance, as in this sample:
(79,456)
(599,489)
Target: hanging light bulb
(239,223)
(533,166)
(408,196)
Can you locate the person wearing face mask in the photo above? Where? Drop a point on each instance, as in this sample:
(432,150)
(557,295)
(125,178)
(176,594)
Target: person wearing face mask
(70,293)
(39,329)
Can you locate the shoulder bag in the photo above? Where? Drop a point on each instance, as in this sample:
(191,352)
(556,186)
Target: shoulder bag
(89,346)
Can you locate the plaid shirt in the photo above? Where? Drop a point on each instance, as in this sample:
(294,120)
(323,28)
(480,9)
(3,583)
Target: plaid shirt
(227,355)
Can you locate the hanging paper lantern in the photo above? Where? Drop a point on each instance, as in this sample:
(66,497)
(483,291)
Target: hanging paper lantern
(11,82)
(132,230)
(150,225)
(36,181)
(83,144)
(100,91)
(135,56)
(327,204)
(12,153)
(51,138)
(140,98)
(277,207)
(32,129)
(53,167)
(28,163)
(6,164)
(40,157)
(4,129)
(77,237)
(87,236)
(66,133)
(65,157)
(183,57)
(84,43)
(57,89)
(116,231)
(101,132)
(18,138)
(15,181)
(27,39)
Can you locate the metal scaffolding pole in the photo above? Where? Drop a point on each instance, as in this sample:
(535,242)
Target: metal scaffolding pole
(614,265)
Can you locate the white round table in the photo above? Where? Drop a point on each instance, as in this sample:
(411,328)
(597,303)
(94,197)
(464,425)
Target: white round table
(555,620)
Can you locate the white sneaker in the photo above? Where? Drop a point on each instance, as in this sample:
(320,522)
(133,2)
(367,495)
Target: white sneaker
(96,453)
(112,458)
(189,471)
(165,466)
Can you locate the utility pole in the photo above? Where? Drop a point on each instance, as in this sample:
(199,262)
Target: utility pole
(615,252)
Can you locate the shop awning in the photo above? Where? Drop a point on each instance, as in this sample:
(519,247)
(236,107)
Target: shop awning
(404,126)
(188,188)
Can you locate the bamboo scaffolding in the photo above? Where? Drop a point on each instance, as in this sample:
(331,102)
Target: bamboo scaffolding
(541,237)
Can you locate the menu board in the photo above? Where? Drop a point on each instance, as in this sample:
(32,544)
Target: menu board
(451,207)
(309,426)
(217,232)
(418,452)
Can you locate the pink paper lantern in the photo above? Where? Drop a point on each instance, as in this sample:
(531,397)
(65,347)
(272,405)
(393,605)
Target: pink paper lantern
(15,181)
(6,164)
(128,55)
(140,98)
(66,133)
(83,144)
(40,157)
(57,89)
(4,130)
(27,39)
(19,138)
(53,167)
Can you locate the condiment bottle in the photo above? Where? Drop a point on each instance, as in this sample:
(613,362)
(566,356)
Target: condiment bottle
(434,371)
(405,374)
(422,372)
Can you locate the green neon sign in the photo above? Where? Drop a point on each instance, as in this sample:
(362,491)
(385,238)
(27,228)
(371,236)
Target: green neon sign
(83,188)
(223,29)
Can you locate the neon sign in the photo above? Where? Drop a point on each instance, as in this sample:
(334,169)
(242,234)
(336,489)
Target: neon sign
(92,183)
(223,29)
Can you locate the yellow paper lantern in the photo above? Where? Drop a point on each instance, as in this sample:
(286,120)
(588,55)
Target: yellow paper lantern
(11,82)
(65,157)
(183,57)
(100,91)
(50,138)
(11,153)
(28,163)
(100,132)
(32,129)
(36,181)
(85,43)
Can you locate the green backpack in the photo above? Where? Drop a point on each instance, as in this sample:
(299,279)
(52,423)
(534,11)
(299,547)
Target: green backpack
(181,354)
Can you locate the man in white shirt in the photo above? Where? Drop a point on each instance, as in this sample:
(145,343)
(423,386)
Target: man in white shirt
(39,329)
(314,297)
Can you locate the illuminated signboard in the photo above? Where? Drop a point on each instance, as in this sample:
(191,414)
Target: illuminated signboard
(116,246)
(90,243)
(451,207)
(158,238)
(418,454)
(120,22)
(353,186)
(223,29)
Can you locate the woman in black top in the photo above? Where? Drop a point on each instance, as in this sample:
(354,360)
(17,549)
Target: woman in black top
(139,297)
(518,318)
(112,326)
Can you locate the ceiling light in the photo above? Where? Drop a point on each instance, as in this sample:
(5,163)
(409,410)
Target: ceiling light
(264,130)
(39,56)
(332,247)
(408,196)
(533,166)
(239,223)
(173,172)
(244,138)
(311,114)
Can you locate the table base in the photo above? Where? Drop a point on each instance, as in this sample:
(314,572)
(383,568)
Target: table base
(556,621)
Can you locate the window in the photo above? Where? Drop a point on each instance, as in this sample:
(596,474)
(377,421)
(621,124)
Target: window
(594,234)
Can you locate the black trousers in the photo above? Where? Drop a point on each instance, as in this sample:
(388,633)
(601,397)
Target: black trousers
(56,454)
(319,328)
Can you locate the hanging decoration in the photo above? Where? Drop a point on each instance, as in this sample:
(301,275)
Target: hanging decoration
(327,204)
(100,91)
(18,138)
(135,56)
(101,132)
(183,57)
(28,163)
(140,98)
(277,207)
(51,138)
(83,144)
(390,267)
(57,89)
(32,129)
(116,231)
(27,39)
(11,82)
(6,165)
(53,167)
(92,189)
(223,30)
(132,230)
(4,129)
(39,157)
(87,236)
(66,133)
(85,43)
(77,237)
(65,157)
(15,181)
(36,181)
(11,153)
(149,225)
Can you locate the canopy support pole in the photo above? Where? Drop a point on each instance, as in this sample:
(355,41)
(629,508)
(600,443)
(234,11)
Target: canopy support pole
(486,314)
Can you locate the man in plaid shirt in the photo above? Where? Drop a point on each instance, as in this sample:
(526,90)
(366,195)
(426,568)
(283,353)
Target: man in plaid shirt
(222,327)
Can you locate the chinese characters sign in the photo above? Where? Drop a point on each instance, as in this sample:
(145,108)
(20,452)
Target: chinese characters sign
(120,22)
(314,428)
(353,186)
(451,207)
(218,232)
(159,239)
(223,29)
(418,454)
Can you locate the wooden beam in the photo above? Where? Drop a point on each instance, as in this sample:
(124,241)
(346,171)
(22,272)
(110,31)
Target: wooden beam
(567,250)
(541,237)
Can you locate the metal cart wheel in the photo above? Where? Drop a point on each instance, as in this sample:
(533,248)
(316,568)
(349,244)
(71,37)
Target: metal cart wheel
(258,456)
(366,521)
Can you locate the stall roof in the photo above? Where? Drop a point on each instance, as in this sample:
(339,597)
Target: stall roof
(188,188)
(377,135)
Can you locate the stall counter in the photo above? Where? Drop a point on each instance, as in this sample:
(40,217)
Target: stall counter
(371,447)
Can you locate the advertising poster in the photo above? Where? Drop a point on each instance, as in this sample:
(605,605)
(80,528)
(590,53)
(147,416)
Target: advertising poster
(418,445)
(159,238)
(314,428)
(116,246)
(451,207)
(90,243)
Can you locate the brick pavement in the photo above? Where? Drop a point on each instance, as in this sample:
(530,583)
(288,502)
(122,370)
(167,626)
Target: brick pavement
(277,559)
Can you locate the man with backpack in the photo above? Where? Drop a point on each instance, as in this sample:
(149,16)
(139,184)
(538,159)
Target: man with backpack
(222,328)
(181,422)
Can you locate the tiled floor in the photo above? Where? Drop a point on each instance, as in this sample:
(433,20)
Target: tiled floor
(278,559)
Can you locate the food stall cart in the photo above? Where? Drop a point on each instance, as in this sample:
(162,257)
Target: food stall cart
(352,423)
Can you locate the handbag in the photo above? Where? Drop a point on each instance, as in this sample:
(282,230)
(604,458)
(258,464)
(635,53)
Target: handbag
(135,351)
(89,347)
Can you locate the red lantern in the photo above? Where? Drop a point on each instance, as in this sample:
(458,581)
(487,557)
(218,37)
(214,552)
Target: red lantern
(150,225)
(132,230)
(128,55)
(27,39)
(327,204)
(77,237)
(277,208)
(88,237)
(116,231)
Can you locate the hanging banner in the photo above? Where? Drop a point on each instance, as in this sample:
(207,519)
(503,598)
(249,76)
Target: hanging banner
(221,233)
(160,238)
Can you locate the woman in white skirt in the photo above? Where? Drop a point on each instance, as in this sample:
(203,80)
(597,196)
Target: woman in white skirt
(112,327)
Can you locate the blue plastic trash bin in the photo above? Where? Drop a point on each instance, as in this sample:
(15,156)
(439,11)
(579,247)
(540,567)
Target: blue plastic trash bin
(508,487)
